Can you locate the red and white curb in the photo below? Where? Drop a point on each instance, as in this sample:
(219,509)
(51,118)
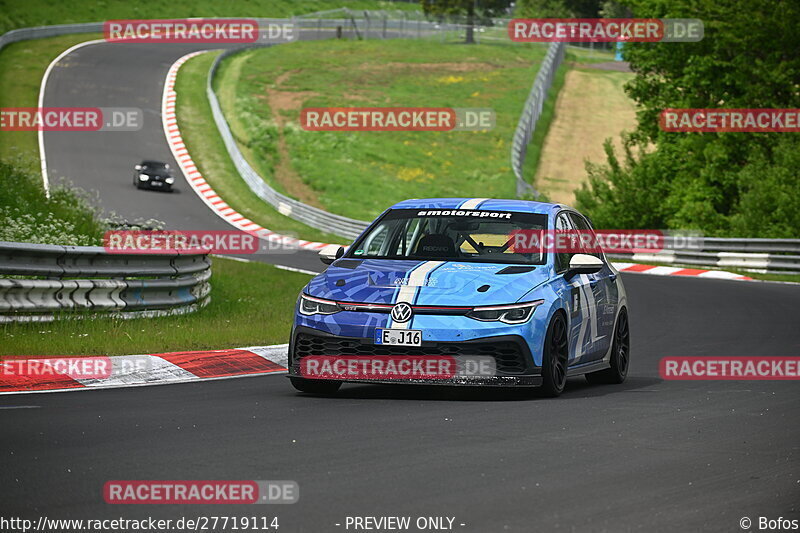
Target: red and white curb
(677,271)
(141,370)
(195,179)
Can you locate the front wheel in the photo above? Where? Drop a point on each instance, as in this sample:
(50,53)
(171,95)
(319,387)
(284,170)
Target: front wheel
(620,355)
(554,358)
(315,386)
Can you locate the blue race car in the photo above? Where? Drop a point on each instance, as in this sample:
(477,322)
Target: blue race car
(441,279)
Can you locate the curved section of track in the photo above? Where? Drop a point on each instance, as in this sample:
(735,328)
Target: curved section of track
(648,455)
(129,75)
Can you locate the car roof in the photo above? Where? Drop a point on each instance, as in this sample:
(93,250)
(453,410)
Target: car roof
(481,204)
(149,163)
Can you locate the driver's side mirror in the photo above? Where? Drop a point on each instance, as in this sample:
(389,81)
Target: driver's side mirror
(138,167)
(331,253)
(583,264)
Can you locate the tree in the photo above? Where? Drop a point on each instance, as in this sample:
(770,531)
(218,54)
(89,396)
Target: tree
(713,182)
(558,8)
(473,10)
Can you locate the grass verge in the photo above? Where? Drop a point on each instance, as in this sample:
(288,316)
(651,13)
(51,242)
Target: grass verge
(209,154)
(360,173)
(17,14)
(251,304)
(27,215)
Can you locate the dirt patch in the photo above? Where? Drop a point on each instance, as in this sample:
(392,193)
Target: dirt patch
(281,102)
(590,108)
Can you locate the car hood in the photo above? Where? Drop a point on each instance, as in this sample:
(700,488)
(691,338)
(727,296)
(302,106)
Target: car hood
(446,283)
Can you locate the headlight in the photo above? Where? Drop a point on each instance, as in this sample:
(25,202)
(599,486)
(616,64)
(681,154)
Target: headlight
(170,181)
(143,177)
(509,314)
(317,306)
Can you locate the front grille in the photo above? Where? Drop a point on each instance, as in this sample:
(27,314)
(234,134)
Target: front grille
(510,356)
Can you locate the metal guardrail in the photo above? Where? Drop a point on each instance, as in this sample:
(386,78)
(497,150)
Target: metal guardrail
(780,256)
(531,113)
(89,279)
(40,32)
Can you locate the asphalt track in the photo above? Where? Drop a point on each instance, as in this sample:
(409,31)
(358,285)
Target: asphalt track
(649,455)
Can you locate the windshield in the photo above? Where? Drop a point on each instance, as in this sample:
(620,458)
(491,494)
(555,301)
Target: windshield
(450,235)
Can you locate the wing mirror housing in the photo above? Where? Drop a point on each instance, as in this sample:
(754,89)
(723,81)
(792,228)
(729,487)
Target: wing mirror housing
(331,253)
(583,264)
(138,167)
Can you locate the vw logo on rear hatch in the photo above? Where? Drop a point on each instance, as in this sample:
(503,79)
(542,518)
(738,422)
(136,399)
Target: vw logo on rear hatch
(402,312)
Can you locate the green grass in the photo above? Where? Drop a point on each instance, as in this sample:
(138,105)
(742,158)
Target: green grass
(19,14)
(251,304)
(209,154)
(360,173)
(22,66)
(27,215)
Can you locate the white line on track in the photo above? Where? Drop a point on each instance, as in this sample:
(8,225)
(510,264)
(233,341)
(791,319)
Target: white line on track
(42,87)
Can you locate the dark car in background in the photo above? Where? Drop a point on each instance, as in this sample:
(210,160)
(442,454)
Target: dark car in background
(153,175)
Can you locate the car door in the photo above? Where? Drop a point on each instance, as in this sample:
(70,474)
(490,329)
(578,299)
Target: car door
(579,300)
(602,293)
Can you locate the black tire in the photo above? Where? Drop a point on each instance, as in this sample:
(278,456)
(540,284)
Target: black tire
(315,386)
(620,355)
(554,358)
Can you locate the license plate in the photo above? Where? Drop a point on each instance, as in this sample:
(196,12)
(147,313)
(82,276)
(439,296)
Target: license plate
(399,337)
(156,183)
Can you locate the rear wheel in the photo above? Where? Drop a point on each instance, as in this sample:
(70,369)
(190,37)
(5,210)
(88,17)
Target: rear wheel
(315,386)
(620,355)
(554,358)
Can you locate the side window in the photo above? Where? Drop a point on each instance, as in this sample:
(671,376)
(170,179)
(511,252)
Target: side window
(581,224)
(562,258)
(375,244)
(405,237)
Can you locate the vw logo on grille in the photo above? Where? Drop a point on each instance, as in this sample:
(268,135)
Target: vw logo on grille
(402,312)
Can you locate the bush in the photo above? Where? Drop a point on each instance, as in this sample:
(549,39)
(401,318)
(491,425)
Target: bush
(28,215)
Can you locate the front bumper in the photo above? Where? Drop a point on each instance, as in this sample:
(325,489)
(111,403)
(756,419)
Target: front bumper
(155,185)
(513,362)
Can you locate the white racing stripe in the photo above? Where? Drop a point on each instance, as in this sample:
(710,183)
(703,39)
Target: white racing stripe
(408,292)
(472,204)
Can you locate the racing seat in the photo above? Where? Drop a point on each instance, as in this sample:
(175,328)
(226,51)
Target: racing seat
(435,245)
